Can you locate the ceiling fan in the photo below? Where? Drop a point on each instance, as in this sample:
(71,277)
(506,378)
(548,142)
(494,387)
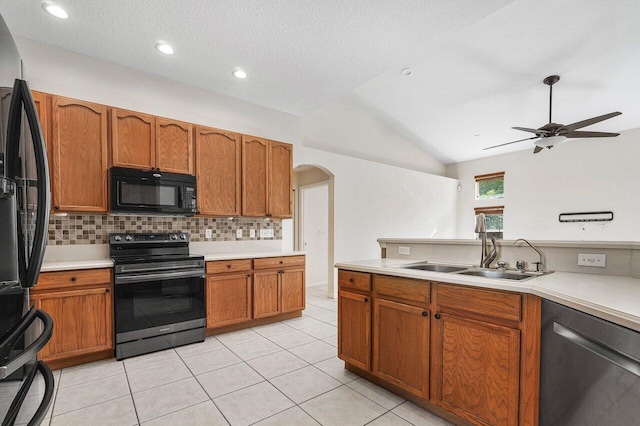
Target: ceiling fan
(552,133)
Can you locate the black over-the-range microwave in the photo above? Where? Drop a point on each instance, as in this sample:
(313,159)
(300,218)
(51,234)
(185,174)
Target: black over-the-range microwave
(148,192)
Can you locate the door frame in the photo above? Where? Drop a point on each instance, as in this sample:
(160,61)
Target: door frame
(300,232)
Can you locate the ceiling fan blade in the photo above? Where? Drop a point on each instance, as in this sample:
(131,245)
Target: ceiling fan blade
(590,121)
(509,143)
(537,149)
(581,134)
(526,129)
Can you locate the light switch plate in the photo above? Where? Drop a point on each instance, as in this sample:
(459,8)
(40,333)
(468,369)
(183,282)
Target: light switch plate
(238,233)
(252,233)
(597,260)
(207,233)
(404,250)
(266,233)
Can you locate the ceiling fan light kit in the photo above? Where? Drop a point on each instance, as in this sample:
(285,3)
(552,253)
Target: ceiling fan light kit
(551,134)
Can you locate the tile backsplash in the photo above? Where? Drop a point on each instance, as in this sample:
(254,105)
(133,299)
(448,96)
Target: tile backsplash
(95,229)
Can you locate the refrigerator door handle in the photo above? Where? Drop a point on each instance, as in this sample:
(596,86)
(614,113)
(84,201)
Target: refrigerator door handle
(32,350)
(17,402)
(30,263)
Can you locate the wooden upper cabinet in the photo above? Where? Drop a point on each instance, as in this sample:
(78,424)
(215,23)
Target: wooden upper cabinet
(174,146)
(280,180)
(218,171)
(133,139)
(255,153)
(79,155)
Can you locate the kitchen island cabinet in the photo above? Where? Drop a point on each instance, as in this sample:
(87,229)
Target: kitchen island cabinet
(469,354)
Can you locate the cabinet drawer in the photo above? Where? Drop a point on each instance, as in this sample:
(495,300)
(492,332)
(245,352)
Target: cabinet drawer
(221,266)
(489,303)
(278,262)
(354,280)
(77,278)
(402,288)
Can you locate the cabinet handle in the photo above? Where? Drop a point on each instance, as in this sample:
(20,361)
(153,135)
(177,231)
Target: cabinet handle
(56,207)
(350,280)
(74,279)
(438,316)
(229,266)
(248,275)
(107,290)
(281,262)
(424,313)
(366,299)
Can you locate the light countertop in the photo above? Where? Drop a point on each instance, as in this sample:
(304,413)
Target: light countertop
(613,298)
(67,265)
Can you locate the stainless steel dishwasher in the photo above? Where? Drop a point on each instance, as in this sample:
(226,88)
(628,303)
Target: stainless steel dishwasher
(590,370)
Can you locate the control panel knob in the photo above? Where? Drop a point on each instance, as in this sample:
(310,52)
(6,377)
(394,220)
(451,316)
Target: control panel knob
(183,236)
(128,237)
(117,238)
(174,237)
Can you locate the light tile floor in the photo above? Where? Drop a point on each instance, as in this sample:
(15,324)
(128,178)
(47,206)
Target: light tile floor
(285,373)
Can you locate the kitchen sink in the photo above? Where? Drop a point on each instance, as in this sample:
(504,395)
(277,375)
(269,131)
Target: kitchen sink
(435,267)
(504,275)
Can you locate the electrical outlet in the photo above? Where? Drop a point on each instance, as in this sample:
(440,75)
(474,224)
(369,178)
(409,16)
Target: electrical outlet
(597,260)
(207,233)
(404,250)
(252,233)
(266,233)
(238,233)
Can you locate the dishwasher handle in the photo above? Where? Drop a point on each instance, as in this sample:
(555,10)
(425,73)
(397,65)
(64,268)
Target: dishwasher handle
(629,363)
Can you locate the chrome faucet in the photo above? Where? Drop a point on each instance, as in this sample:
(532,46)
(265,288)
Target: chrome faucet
(481,229)
(539,263)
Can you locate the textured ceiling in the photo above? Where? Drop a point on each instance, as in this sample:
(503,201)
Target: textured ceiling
(299,54)
(478,65)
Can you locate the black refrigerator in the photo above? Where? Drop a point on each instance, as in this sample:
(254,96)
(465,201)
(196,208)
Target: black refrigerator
(26,384)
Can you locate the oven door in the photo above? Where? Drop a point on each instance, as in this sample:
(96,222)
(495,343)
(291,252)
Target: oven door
(153,304)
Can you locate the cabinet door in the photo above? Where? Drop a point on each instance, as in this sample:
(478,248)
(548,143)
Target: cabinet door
(218,162)
(266,294)
(254,176)
(174,146)
(228,299)
(476,370)
(292,289)
(280,180)
(79,145)
(133,139)
(82,321)
(401,345)
(354,329)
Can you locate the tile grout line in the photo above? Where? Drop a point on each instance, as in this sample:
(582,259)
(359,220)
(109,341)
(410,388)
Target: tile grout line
(133,401)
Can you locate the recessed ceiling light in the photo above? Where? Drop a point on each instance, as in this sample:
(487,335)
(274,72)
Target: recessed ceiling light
(239,73)
(476,134)
(55,10)
(406,71)
(164,48)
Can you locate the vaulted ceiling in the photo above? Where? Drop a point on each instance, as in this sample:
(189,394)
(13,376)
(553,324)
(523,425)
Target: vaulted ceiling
(477,66)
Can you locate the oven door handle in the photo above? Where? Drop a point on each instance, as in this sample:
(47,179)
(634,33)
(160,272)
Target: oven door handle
(618,358)
(139,278)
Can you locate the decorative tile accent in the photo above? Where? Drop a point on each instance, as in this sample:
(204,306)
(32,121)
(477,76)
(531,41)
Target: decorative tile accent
(95,229)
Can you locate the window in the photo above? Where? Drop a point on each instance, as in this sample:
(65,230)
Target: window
(490,186)
(493,216)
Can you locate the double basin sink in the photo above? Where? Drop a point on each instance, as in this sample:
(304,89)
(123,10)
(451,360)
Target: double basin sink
(503,274)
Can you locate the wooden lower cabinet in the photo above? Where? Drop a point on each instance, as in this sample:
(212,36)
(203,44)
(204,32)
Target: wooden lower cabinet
(292,290)
(266,297)
(401,345)
(476,372)
(82,314)
(468,353)
(354,329)
(228,299)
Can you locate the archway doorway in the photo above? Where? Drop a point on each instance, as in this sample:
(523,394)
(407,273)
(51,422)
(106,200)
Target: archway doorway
(313,226)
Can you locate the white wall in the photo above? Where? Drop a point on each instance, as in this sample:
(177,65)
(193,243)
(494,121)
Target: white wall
(576,176)
(373,200)
(343,128)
